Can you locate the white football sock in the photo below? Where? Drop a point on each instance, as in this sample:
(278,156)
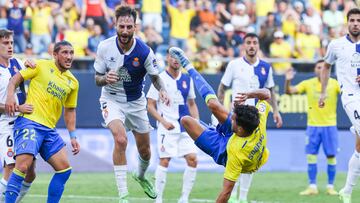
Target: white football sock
(353,173)
(143,165)
(160,181)
(188,182)
(25,187)
(245,182)
(120,177)
(3,184)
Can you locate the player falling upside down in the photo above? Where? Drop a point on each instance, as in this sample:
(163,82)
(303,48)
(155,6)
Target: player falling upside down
(239,141)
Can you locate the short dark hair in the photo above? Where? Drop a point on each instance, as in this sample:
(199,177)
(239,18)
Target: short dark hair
(247,117)
(123,10)
(352,11)
(319,61)
(58,45)
(5,33)
(251,34)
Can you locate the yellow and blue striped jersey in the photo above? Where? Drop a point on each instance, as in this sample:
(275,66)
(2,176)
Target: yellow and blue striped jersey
(49,91)
(320,116)
(247,154)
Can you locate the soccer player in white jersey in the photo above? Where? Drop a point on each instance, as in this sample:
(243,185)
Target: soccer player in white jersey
(246,74)
(172,139)
(344,52)
(9,66)
(121,64)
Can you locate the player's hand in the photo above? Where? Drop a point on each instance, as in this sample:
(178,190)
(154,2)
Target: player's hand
(240,98)
(289,74)
(111,77)
(75,146)
(278,119)
(358,79)
(322,100)
(10,105)
(25,108)
(168,125)
(29,63)
(164,97)
(180,56)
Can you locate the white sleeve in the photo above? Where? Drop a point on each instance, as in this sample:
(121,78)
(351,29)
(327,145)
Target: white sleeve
(191,91)
(21,63)
(228,75)
(99,64)
(151,65)
(270,80)
(330,56)
(153,93)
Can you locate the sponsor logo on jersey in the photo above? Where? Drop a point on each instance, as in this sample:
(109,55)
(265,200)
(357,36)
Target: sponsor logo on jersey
(184,85)
(136,62)
(10,153)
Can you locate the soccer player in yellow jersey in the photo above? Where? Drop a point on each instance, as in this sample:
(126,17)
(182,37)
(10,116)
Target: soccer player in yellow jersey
(239,141)
(52,86)
(321,125)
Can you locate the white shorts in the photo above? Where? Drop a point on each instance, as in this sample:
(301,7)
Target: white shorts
(7,145)
(175,144)
(352,110)
(132,114)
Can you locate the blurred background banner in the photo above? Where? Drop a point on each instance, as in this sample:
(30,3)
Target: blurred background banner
(293,108)
(287,153)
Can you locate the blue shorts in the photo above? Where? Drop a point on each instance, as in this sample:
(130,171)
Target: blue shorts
(213,141)
(328,136)
(33,138)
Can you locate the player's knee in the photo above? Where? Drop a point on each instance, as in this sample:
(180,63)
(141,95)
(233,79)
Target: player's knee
(145,152)
(185,121)
(192,161)
(30,175)
(357,147)
(120,141)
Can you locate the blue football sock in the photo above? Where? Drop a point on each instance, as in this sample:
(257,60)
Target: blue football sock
(202,86)
(14,186)
(57,184)
(312,172)
(331,172)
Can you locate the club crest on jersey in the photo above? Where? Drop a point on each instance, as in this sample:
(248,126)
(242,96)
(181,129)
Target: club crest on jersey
(184,85)
(263,71)
(15,69)
(136,62)
(10,153)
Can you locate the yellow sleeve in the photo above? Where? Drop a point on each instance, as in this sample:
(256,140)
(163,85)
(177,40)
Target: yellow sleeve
(192,13)
(233,167)
(71,101)
(338,90)
(29,73)
(301,87)
(171,10)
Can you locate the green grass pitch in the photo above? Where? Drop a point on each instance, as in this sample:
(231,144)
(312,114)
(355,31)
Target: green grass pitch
(267,187)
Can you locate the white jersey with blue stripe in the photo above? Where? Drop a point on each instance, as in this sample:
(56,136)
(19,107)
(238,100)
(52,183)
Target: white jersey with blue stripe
(245,77)
(179,90)
(345,54)
(5,75)
(131,66)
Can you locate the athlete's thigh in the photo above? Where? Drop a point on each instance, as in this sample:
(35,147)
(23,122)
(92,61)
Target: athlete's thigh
(59,161)
(167,144)
(136,116)
(352,110)
(330,140)
(313,140)
(52,144)
(111,110)
(186,145)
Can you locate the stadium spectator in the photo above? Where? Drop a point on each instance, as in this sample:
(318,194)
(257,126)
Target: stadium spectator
(290,25)
(307,45)
(314,20)
(153,38)
(41,25)
(206,14)
(205,36)
(94,41)
(15,13)
(172,139)
(247,74)
(151,14)
(333,17)
(78,37)
(240,20)
(262,11)
(266,34)
(229,42)
(321,126)
(180,23)
(70,13)
(280,49)
(97,10)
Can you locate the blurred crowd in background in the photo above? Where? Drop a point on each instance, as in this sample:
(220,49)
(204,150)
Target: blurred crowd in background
(210,31)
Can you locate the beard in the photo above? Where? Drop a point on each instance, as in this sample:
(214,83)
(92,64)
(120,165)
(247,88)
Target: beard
(125,39)
(354,33)
(251,53)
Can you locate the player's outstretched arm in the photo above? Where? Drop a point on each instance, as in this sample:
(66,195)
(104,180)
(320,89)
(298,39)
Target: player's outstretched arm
(10,104)
(226,191)
(324,78)
(70,122)
(289,75)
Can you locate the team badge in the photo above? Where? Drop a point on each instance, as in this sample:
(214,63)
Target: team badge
(105,113)
(15,69)
(162,148)
(184,85)
(263,71)
(262,107)
(10,153)
(136,62)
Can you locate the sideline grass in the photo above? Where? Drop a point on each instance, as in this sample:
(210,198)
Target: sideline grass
(266,188)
